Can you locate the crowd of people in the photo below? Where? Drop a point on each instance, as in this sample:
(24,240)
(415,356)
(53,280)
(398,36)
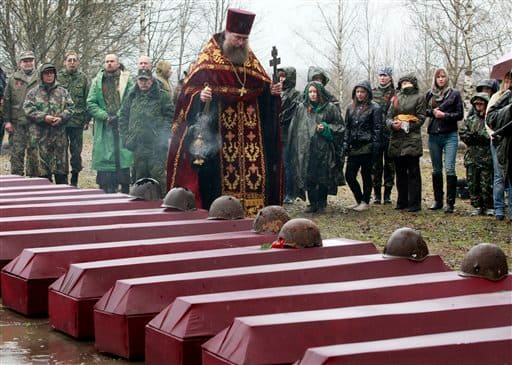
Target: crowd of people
(231,130)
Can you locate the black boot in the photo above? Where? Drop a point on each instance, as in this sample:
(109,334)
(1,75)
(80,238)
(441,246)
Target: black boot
(387,195)
(313,197)
(451,193)
(61,179)
(74,178)
(377,198)
(437,184)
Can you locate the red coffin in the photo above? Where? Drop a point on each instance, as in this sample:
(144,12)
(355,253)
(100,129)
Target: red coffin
(23,181)
(6,197)
(25,279)
(283,338)
(122,313)
(35,188)
(73,195)
(12,243)
(77,207)
(480,346)
(175,335)
(84,284)
(97,218)
(70,195)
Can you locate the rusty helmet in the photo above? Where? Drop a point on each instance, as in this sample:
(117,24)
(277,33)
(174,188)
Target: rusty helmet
(408,243)
(299,233)
(180,198)
(270,219)
(485,260)
(146,189)
(226,207)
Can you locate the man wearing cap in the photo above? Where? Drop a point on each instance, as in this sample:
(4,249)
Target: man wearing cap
(109,158)
(383,165)
(21,134)
(77,84)
(49,107)
(144,124)
(231,87)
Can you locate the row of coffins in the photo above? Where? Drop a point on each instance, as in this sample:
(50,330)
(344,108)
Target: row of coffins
(170,285)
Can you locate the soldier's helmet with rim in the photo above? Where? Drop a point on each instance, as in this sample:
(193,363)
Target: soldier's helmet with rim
(270,219)
(300,233)
(485,260)
(146,189)
(226,207)
(407,243)
(180,198)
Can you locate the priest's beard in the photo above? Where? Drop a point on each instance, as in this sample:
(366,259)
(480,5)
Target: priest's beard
(237,55)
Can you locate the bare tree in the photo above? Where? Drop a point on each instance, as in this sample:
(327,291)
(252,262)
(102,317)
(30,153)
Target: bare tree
(331,41)
(50,27)
(467,34)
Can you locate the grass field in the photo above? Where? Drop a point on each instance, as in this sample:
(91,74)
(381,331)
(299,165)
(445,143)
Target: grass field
(449,235)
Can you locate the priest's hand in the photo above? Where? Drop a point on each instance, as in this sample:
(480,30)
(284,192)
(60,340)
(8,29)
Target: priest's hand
(276,89)
(206,94)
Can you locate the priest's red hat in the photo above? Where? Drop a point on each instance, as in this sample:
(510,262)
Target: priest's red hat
(239,21)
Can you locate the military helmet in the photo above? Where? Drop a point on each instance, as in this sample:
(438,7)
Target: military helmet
(299,233)
(408,243)
(481,96)
(226,207)
(270,219)
(485,260)
(180,198)
(146,189)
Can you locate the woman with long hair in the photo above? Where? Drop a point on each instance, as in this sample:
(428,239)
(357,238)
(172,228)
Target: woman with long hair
(444,110)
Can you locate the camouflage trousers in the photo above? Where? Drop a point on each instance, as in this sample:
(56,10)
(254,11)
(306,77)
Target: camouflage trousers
(480,182)
(23,143)
(150,165)
(383,166)
(75,141)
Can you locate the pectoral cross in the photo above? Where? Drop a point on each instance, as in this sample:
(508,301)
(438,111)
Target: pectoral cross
(273,63)
(243,91)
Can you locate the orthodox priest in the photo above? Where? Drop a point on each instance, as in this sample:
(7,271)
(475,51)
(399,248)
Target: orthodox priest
(225,133)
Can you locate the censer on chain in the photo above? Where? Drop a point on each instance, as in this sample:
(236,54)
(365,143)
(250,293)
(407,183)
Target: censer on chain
(204,141)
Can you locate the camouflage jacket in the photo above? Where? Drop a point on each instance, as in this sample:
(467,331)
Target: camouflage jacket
(145,119)
(77,85)
(475,136)
(42,101)
(383,96)
(17,87)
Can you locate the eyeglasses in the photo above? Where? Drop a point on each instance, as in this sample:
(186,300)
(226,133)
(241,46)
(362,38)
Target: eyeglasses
(478,103)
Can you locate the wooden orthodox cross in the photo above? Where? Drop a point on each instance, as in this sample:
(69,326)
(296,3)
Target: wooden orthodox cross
(273,63)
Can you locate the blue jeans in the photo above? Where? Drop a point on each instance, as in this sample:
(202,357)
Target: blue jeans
(499,187)
(447,143)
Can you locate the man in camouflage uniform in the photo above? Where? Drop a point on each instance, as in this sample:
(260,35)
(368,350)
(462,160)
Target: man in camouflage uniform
(22,136)
(49,107)
(478,158)
(144,124)
(78,87)
(383,164)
